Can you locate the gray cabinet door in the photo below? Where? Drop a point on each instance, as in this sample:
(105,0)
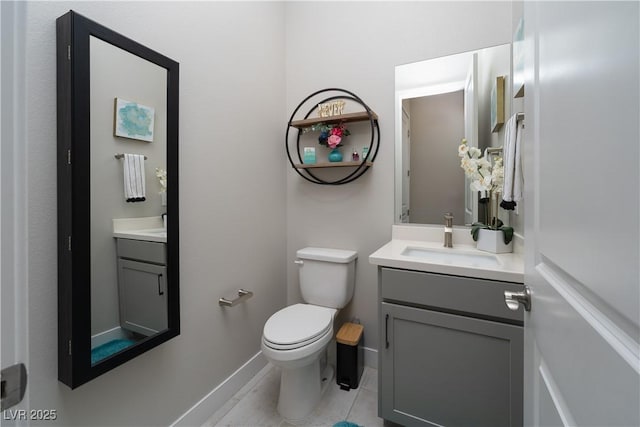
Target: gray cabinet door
(449,370)
(143,296)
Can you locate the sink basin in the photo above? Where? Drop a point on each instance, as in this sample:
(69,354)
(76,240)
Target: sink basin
(140,228)
(452,256)
(149,234)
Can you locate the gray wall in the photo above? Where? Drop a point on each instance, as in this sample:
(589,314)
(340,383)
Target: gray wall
(437,127)
(232,210)
(367,40)
(492,64)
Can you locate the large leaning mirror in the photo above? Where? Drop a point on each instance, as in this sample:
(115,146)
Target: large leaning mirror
(439,102)
(117,163)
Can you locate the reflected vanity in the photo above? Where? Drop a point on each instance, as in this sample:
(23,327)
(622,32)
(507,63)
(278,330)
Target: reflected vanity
(437,103)
(118,265)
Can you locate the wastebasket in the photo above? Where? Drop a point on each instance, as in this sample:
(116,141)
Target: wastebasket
(350,355)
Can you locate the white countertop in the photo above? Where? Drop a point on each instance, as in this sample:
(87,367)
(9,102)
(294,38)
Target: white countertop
(509,267)
(149,228)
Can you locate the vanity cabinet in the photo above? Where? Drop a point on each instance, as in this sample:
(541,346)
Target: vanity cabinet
(142,286)
(451,352)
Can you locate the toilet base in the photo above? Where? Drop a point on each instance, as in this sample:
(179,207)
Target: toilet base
(301,390)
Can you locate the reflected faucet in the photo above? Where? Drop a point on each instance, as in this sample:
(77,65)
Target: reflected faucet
(448,230)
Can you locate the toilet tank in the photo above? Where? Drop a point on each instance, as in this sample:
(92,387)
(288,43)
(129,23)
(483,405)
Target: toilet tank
(327,276)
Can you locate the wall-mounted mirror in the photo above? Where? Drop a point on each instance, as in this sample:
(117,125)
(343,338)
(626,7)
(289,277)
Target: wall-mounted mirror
(438,102)
(117,160)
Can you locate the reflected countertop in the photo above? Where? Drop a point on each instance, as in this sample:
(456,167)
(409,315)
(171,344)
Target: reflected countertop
(149,228)
(420,248)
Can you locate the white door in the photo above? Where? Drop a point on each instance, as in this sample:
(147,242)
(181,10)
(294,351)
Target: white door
(13,234)
(582,216)
(471,135)
(406,166)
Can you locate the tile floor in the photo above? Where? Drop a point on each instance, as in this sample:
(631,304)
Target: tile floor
(255,404)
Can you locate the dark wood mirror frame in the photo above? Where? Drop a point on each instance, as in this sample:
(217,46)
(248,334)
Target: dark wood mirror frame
(74,234)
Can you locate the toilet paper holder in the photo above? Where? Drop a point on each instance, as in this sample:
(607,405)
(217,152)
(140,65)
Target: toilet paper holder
(242,296)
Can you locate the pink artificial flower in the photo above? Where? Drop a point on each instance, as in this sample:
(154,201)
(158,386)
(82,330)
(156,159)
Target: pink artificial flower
(336,131)
(333,141)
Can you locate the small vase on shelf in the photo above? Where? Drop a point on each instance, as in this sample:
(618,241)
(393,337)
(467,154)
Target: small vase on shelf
(335,155)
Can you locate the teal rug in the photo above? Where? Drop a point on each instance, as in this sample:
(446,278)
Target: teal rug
(107,349)
(345,424)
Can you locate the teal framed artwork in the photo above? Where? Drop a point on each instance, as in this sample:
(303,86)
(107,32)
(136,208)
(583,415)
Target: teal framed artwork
(133,120)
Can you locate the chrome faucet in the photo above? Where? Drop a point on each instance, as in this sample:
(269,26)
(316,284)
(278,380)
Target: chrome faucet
(448,230)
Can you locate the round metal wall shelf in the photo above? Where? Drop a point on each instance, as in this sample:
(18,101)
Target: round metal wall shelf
(354,169)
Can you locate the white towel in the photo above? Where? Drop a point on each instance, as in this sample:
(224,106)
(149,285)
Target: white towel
(513,179)
(134,184)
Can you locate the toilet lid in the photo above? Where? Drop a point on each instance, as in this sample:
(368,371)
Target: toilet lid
(298,324)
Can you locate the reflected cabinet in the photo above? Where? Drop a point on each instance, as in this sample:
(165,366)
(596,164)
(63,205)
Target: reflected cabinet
(142,273)
(117,165)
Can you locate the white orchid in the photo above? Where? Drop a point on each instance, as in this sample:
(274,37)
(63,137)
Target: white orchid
(161,174)
(497,175)
(469,166)
(483,163)
(475,152)
(484,176)
(463,149)
(477,186)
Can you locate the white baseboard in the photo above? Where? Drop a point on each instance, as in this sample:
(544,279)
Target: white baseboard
(104,337)
(208,405)
(371,357)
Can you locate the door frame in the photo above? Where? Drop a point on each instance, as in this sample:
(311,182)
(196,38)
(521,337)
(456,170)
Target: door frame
(471,135)
(14,308)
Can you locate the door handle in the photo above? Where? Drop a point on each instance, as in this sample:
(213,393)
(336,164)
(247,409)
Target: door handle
(386,331)
(160,291)
(14,383)
(514,299)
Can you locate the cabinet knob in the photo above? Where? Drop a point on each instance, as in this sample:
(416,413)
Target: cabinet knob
(514,299)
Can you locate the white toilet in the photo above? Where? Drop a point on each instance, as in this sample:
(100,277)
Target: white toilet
(296,338)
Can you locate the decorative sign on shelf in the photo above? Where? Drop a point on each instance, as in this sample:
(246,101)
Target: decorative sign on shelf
(330,109)
(309,155)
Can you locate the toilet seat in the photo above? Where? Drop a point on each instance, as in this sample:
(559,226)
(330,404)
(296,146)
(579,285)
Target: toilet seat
(297,326)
